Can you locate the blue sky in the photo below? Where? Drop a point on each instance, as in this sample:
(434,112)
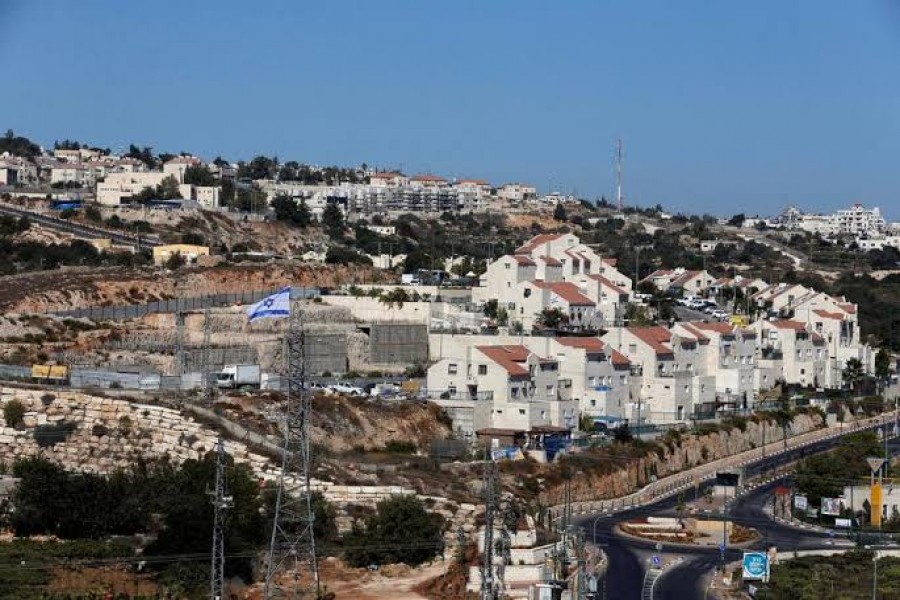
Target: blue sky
(724,107)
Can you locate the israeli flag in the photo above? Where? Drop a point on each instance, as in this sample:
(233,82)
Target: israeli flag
(275,306)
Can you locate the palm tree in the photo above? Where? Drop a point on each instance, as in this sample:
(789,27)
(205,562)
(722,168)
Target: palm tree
(853,373)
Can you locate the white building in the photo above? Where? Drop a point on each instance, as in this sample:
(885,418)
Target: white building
(858,220)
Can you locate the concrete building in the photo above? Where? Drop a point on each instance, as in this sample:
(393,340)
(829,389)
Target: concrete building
(671,369)
(680,279)
(517,193)
(728,354)
(511,387)
(190,252)
(859,220)
(539,296)
(791,352)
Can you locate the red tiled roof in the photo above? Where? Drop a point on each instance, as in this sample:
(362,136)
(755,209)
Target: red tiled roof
(475,181)
(593,344)
(657,274)
(788,324)
(507,357)
(718,327)
(654,336)
(387,175)
(694,331)
(611,261)
(550,261)
(609,284)
(829,315)
(523,260)
(536,241)
(566,290)
(850,309)
(428,177)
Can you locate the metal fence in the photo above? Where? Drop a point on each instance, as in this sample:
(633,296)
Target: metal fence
(196,303)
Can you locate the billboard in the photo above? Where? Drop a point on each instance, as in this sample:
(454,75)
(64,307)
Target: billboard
(845,523)
(800,502)
(831,506)
(755,566)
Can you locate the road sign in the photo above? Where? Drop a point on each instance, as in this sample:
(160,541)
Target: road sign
(722,547)
(755,566)
(875,463)
(657,561)
(659,546)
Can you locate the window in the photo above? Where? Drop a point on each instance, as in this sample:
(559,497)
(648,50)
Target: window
(514,392)
(593,402)
(527,292)
(482,369)
(508,266)
(451,390)
(632,348)
(803,371)
(551,389)
(451,369)
(521,411)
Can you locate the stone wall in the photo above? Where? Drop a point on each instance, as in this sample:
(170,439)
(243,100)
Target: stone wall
(109,433)
(691,452)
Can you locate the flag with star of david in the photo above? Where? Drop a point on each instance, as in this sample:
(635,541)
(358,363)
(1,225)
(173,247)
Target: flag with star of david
(275,306)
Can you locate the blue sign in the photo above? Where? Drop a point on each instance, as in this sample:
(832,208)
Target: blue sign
(657,561)
(722,547)
(756,565)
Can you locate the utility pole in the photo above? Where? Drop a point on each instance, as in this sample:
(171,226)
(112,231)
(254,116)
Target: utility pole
(209,388)
(221,503)
(292,570)
(487,559)
(179,336)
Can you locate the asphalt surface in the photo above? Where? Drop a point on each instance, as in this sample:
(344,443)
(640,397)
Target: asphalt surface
(628,557)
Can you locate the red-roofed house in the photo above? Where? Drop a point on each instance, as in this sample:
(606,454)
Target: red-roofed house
(611,300)
(690,282)
(789,350)
(428,180)
(672,370)
(510,387)
(728,353)
(392,179)
(599,375)
(538,296)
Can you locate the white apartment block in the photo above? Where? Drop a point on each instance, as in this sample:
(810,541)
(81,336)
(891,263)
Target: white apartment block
(789,351)
(118,188)
(728,353)
(856,220)
(685,280)
(517,193)
(511,387)
(672,369)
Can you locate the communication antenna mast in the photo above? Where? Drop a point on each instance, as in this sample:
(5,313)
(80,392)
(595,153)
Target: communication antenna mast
(221,503)
(291,570)
(619,203)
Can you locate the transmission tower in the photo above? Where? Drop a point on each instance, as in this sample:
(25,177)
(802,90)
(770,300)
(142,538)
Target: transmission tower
(291,570)
(619,202)
(490,502)
(221,503)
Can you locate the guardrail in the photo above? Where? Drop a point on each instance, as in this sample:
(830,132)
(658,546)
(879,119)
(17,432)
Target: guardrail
(79,228)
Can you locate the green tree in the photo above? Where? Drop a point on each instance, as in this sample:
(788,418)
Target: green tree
(288,210)
(737,220)
(853,373)
(168,189)
(333,220)
(175,262)
(883,363)
(559,213)
(400,531)
(199,175)
(553,318)
(13,413)
(341,255)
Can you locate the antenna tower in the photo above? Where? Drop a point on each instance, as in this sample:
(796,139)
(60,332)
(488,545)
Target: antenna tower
(619,203)
(221,503)
(292,571)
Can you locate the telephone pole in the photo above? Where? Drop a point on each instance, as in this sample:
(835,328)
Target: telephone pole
(221,503)
(490,500)
(292,570)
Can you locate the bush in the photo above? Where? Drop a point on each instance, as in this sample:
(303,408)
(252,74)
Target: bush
(401,530)
(49,435)
(47,399)
(400,447)
(14,413)
(99,430)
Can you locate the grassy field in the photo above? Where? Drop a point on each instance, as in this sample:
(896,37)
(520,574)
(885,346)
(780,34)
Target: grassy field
(844,577)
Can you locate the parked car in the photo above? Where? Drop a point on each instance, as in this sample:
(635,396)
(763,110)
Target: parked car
(348,389)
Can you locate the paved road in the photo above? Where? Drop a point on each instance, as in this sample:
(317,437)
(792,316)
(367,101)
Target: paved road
(78,229)
(628,557)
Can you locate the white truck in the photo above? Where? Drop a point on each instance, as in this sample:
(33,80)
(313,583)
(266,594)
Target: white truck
(234,377)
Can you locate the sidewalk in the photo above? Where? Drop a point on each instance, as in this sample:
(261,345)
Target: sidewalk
(684,480)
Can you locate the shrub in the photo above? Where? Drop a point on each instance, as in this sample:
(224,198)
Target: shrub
(124,425)
(400,447)
(14,413)
(49,435)
(401,530)
(47,399)
(99,430)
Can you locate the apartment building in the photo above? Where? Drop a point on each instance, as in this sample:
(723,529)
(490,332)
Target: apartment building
(790,352)
(671,369)
(539,296)
(72,173)
(601,378)
(680,279)
(510,387)
(728,354)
